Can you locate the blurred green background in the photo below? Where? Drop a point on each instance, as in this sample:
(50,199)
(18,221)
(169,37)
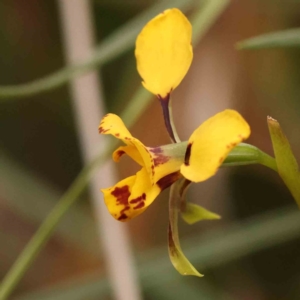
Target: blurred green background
(252,253)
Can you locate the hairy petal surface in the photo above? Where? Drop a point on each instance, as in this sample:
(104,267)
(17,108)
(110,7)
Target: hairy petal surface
(211,142)
(164,52)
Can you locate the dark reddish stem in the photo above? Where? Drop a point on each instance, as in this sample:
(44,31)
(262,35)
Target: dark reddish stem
(166,113)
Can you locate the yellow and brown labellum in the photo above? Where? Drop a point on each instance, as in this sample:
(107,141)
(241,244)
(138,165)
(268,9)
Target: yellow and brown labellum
(159,169)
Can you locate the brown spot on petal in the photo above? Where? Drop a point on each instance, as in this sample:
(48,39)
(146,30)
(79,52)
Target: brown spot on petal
(140,205)
(117,134)
(188,154)
(221,159)
(139,199)
(166,181)
(156,150)
(122,217)
(102,130)
(159,158)
(121,194)
(120,153)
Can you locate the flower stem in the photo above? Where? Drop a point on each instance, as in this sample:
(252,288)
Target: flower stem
(168,117)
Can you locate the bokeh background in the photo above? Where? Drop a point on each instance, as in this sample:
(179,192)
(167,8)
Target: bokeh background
(251,253)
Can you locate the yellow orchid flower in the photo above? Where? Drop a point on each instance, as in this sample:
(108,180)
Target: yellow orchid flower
(164,54)
(197,160)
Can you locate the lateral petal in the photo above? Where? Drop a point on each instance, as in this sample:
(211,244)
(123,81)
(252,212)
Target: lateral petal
(211,142)
(113,124)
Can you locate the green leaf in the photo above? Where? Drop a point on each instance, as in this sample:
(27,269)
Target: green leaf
(286,163)
(279,39)
(194,213)
(178,259)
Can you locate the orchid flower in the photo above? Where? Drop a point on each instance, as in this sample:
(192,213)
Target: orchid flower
(164,55)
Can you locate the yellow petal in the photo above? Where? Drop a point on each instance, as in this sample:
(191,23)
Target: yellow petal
(164,52)
(131,151)
(113,124)
(165,161)
(211,142)
(131,196)
(116,198)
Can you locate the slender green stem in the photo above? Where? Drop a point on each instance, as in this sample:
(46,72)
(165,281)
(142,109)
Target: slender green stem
(246,154)
(176,136)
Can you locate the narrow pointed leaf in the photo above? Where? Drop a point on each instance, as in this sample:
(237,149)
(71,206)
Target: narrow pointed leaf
(194,213)
(286,163)
(279,39)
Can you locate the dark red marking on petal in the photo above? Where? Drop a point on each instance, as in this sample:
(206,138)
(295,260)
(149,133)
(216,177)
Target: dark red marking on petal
(122,217)
(121,194)
(221,159)
(188,154)
(120,153)
(102,130)
(138,199)
(161,159)
(166,181)
(156,150)
(117,134)
(124,209)
(127,138)
(140,205)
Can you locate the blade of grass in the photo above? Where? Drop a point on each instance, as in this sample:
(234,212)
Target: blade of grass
(279,39)
(117,43)
(133,111)
(23,190)
(206,15)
